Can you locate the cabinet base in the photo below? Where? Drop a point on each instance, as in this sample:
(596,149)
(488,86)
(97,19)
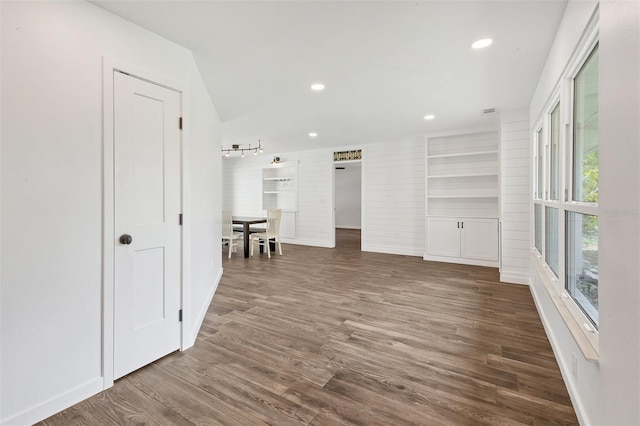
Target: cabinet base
(463,261)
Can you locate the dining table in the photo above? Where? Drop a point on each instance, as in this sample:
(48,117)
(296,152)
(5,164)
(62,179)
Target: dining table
(246,222)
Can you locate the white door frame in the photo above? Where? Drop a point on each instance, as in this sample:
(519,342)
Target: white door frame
(110,65)
(332,240)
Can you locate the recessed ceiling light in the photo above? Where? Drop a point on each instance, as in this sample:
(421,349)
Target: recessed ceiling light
(429,117)
(313,134)
(317,87)
(479,44)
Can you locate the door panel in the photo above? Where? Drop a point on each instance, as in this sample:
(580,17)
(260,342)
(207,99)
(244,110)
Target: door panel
(147,205)
(479,239)
(443,236)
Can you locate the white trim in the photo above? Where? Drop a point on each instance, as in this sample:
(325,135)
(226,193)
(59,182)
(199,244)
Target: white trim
(515,278)
(55,404)
(332,236)
(462,261)
(109,66)
(311,243)
(193,333)
(574,395)
(392,250)
(587,339)
(460,132)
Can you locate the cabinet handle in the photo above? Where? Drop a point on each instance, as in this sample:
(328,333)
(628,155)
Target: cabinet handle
(458,225)
(462,225)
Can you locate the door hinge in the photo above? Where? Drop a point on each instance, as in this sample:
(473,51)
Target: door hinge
(180,315)
(180,219)
(180,123)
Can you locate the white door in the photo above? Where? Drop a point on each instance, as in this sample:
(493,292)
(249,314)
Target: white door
(147,207)
(443,236)
(479,238)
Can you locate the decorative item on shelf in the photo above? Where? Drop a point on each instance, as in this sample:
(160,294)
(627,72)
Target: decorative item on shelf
(275,160)
(355,154)
(237,148)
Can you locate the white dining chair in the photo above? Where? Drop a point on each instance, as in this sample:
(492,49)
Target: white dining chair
(271,232)
(228,235)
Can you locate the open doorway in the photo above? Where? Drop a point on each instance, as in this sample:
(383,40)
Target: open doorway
(348,204)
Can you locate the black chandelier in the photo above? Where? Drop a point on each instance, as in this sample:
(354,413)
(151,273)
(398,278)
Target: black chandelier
(236,148)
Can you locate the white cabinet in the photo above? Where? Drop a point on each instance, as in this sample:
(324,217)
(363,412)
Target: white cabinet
(479,239)
(443,236)
(462,198)
(462,240)
(280,191)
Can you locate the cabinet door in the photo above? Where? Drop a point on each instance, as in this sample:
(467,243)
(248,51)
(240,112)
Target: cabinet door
(443,236)
(479,238)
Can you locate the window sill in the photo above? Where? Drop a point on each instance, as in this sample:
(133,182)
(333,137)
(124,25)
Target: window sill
(584,338)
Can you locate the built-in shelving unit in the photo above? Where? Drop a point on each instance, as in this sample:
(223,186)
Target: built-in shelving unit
(280,191)
(462,183)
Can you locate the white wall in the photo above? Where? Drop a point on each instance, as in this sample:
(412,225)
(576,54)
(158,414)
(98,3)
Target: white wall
(393,194)
(348,196)
(608,392)
(619,189)
(393,197)
(515,178)
(51,195)
(243,192)
(203,217)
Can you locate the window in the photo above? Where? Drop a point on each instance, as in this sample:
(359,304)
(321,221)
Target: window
(537,212)
(554,151)
(581,235)
(539,164)
(565,195)
(551,230)
(585,131)
(582,262)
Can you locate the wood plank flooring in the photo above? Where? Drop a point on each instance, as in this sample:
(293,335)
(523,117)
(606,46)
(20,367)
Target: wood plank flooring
(337,337)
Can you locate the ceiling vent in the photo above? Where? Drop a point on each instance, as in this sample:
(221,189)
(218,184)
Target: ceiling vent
(488,111)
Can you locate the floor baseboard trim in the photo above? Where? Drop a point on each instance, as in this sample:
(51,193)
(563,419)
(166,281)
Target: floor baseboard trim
(55,404)
(392,250)
(564,368)
(203,312)
(506,277)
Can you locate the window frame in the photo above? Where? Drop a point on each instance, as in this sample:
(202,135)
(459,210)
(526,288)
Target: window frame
(563,96)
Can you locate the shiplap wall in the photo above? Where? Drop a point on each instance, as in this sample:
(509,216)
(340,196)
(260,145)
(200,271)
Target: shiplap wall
(393,197)
(515,197)
(242,179)
(392,194)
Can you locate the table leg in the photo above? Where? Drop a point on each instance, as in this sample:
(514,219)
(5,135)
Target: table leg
(246,240)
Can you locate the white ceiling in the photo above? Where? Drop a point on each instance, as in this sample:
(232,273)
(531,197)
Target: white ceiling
(385,64)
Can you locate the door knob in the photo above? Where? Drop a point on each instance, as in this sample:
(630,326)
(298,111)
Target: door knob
(125,239)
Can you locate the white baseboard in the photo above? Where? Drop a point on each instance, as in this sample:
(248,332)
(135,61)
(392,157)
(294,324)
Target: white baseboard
(56,404)
(564,368)
(393,250)
(313,243)
(462,261)
(507,277)
(203,312)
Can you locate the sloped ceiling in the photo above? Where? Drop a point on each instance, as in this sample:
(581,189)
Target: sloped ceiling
(385,64)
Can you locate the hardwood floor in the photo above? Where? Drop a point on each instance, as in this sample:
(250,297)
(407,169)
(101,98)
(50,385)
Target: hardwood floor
(338,336)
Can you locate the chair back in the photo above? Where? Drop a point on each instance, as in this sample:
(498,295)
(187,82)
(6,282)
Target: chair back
(273,222)
(227,224)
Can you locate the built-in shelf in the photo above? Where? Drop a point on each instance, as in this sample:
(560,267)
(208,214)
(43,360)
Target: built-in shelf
(278,191)
(463,196)
(464,175)
(462,187)
(463,154)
